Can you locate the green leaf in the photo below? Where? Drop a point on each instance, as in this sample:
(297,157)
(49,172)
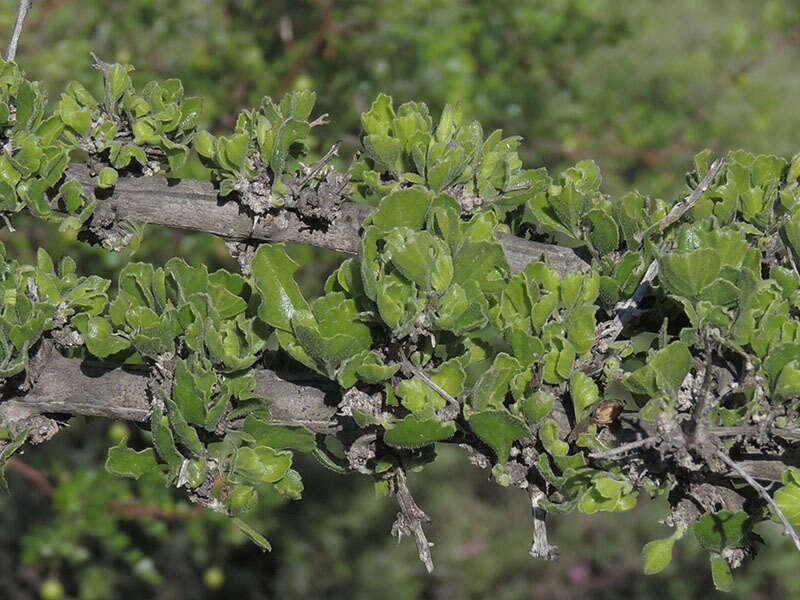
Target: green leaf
(233,151)
(551,440)
(263,463)
(194,472)
(418,397)
(584,392)
(335,335)
(790,235)
(412,433)
(5,454)
(788,500)
(416,254)
(403,208)
(26,101)
(244,498)
(271,275)
(74,116)
(568,204)
(205,144)
(379,117)
(227,304)
(192,390)
(386,151)
(255,537)
(483,262)
(499,429)
(721,573)
(657,555)
(537,406)
(118,82)
(603,234)
(189,280)
(145,132)
(295,437)
(107,178)
(101,340)
(780,356)
(185,432)
(291,486)
(191,109)
(491,389)
(671,366)
(580,331)
(788,384)
(124,462)
(165,443)
(723,529)
(688,273)
(665,372)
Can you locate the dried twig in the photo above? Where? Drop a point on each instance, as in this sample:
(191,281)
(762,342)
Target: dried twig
(754,430)
(317,167)
(682,207)
(410,519)
(22,11)
(788,529)
(540,547)
(99,63)
(623,448)
(9,226)
(609,331)
(701,406)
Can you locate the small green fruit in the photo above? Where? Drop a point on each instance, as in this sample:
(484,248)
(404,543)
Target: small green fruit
(51,589)
(214,578)
(118,432)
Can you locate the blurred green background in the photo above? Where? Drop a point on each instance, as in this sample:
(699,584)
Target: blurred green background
(639,86)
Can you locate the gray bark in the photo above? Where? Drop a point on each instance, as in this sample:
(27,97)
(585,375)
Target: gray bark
(196,206)
(76,387)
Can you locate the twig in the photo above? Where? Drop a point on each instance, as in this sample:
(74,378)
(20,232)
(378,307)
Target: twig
(133,509)
(334,151)
(22,11)
(128,508)
(702,404)
(787,434)
(788,529)
(682,207)
(410,518)
(319,121)
(608,332)
(99,63)
(540,547)
(9,226)
(429,382)
(623,448)
(314,45)
(33,475)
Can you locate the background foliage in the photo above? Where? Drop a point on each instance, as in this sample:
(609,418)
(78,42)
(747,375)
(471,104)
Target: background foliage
(638,86)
